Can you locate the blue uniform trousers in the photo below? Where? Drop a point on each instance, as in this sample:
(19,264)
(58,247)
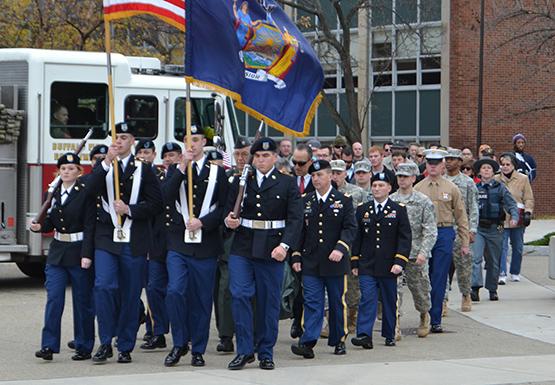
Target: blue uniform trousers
(261,279)
(57,278)
(439,265)
(487,246)
(189,299)
(156,294)
(370,288)
(118,285)
(314,303)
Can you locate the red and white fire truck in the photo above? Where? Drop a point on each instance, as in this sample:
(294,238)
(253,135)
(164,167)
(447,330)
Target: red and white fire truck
(64,94)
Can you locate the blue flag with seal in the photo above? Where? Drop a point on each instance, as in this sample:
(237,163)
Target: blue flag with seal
(251,51)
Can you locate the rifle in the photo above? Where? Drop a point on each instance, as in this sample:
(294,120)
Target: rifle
(244,176)
(54,186)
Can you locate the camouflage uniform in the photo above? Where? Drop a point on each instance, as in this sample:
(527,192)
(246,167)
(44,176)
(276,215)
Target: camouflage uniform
(463,263)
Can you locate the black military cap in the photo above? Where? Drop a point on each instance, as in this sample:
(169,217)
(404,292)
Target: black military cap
(169,147)
(197,130)
(215,155)
(69,158)
(241,142)
(318,165)
(264,144)
(124,128)
(145,144)
(380,177)
(98,149)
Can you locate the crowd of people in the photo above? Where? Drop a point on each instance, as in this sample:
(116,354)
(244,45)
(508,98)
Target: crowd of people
(328,235)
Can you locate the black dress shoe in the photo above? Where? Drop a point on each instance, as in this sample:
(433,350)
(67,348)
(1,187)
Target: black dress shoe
(436,329)
(103,353)
(71,344)
(147,336)
(156,342)
(302,350)
(81,356)
(176,353)
(240,361)
(296,330)
(197,360)
(45,354)
(493,296)
(340,349)
(124,357)
(225,345)
(364,341)
(266,364)
(390,342)
(475,294)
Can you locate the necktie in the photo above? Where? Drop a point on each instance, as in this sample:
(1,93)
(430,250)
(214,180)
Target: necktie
(379,209)
(301,185)
(64,196)
(195,170)
(262,181)
(121,167)
(320,204)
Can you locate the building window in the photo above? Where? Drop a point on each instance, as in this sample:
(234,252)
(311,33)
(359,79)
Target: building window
(141,112)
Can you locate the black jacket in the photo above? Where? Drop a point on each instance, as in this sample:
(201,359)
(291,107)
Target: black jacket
(382,239)
(159,230)
(212,242)
(149,204)
(76,215)
(326,227)
(277,199)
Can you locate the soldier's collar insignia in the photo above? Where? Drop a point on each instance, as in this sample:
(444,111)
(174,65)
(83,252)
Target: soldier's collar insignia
(273,177)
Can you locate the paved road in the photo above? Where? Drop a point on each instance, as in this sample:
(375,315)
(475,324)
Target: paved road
(472,351)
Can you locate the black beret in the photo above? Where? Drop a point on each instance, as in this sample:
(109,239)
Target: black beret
(145,144)
(241,142)
(169,147)
(318,165)
(215,155)
(264,144)
(69,158)
(382,177)
(125,128)
(98,149)
(197,130)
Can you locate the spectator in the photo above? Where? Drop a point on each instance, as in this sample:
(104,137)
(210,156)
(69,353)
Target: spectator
(467,168)
(59,121)
(283,166)
(302,159)
(526,162)
(519,187)
(339,144)
(413,150)
(324,153)
(358,152)
(285,148)
(397,158)
(347,157)
(375,154)
(467,154)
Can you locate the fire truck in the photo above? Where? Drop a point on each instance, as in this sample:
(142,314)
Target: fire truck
(65,93)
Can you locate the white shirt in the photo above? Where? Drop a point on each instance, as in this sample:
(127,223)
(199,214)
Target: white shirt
(63,192)
(124,162)
(306,180)
(376,203)
(260,176)
(323,198)
(200,164)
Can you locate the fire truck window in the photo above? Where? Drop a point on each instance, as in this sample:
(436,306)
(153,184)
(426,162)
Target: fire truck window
(202,115)
(141,112)
(76,107)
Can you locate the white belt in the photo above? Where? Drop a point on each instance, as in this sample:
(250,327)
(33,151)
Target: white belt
(68,237)
(262,225)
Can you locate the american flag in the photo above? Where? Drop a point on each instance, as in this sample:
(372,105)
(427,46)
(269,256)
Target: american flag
(171,11)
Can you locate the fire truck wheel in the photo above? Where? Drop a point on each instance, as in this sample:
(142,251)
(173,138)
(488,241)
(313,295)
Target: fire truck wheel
(32,269)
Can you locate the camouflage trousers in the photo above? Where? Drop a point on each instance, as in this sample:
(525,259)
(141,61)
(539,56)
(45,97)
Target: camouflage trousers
(416,278)
(353,291)
(463,268)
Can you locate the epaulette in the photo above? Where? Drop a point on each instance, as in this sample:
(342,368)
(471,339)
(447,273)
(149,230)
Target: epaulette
(402,204)
(361,203)
(303,195)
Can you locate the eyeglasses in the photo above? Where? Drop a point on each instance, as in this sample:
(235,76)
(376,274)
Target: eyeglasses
(467,169)
(420,155)
(339,146)
(299,163)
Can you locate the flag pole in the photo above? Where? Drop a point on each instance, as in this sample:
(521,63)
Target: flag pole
(189,146)
(111,110)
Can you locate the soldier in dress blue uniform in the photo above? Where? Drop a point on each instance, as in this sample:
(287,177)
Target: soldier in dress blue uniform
(97,153)
(120,251)
(323,257)
(270,223)
(192,266)
(380,253)
(70,255)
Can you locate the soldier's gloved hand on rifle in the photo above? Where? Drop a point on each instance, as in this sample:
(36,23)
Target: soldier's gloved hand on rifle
(527,219)
(35,227)
(296,267)
(232,222)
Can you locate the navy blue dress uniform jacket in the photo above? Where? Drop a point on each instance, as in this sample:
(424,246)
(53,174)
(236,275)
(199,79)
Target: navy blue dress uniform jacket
(277,199)
(159,239)
(149,204)
(382,240)
(76,215)
(212,239)
(326,227)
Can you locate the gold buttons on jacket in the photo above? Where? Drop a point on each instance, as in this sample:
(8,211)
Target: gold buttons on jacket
(258,205)
(257,196)
(258,214)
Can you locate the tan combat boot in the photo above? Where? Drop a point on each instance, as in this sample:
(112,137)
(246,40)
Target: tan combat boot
(352,320)
(424,327)
(398,334)
(466,304)
(444,309)
(325,332)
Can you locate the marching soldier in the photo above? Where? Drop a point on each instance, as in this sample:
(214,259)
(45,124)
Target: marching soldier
(192,263)
(121,248)
(97,153)
(171,154)
(264,233)
(358,196)
(422,220)
(380,252)
(222,295)
(70,255)
(324,260)
(450,211)
(469,193)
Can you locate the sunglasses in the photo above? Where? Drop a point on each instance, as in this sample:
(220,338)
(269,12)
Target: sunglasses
(339,146)
(299,163)
(420,155)
(467,169)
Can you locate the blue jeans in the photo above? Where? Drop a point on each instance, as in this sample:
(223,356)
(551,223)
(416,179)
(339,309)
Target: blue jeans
(517,243)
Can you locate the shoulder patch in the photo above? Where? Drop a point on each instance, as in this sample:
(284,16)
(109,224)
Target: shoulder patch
(401,204)
(303,195)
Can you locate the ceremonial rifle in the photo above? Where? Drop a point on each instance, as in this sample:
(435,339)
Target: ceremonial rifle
(54,186)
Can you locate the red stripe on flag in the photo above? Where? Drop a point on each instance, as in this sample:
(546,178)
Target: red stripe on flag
(177,3)
(138,7)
